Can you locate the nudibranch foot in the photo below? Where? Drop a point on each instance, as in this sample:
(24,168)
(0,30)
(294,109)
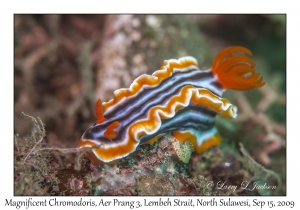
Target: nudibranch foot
(201,140)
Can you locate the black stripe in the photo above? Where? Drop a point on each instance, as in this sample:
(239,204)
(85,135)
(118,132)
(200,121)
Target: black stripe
(217,85)
(192,120)
(179,79)
(140,104)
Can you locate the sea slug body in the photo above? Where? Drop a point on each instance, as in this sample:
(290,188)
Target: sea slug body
(179,99)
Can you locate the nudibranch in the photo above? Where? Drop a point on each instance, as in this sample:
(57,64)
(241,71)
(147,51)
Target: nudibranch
(179,99)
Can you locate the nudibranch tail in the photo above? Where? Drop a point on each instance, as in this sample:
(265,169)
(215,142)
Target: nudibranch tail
(236,71)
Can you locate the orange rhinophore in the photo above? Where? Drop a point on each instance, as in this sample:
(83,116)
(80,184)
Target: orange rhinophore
(110,133)
(99,112)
